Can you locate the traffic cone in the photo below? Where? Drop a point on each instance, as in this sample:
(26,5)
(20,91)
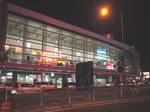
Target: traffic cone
(6,106)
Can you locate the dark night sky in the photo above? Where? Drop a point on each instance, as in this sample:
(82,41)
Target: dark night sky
(83,13)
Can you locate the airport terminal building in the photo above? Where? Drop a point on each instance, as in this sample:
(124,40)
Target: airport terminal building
(35,46)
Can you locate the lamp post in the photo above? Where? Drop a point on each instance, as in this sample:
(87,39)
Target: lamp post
(122,26)
(104,12)
(122,37)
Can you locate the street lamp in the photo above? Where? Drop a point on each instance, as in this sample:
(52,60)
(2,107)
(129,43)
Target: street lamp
(105,12)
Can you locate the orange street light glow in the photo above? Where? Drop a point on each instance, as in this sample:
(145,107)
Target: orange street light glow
(104,11)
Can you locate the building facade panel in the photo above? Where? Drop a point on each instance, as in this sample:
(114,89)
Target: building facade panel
(47,44)
(36,41)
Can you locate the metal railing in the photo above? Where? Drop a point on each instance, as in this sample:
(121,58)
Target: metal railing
(64,96)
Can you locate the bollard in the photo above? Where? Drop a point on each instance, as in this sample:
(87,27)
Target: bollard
(89,95)
(6,105)
(93,95)
(121,87)
(69,96)
(17,102)
(41,97)
(115,92)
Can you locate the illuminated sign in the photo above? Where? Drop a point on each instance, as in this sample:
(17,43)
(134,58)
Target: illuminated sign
(101,50)
(146,74)
(108,65)
(51,58)
(9,75)
(101,54)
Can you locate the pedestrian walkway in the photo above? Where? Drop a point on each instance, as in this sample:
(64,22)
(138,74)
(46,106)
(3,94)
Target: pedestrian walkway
(64,107)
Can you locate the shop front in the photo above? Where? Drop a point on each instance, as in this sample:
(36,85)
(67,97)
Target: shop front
(104,80)
(58,76)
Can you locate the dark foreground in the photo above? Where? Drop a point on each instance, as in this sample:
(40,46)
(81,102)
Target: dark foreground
(60,98)
(142,106)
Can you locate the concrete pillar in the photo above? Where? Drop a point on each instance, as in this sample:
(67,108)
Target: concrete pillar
(14,77)
(64,80)
(43,77)
(3,26)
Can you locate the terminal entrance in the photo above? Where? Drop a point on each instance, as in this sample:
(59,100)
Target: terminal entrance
(60,80)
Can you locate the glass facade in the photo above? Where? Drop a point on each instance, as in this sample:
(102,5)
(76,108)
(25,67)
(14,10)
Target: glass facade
(33,42)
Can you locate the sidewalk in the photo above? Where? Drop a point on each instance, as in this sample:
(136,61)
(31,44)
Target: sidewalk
(137,98)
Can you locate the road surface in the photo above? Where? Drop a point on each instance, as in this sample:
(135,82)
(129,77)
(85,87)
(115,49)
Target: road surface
(142,106)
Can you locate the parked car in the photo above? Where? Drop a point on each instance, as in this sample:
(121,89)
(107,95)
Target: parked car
(109,84)
(45,85)
(71,85)
(132,84)
(146,83)
(2,85)
(120,84)
(7,86)
(25,88)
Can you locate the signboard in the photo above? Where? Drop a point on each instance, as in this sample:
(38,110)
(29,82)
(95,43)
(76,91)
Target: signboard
(84,75)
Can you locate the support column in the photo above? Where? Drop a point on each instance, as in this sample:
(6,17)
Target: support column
(3,27)
(64,80)
(14,77)
(43,77)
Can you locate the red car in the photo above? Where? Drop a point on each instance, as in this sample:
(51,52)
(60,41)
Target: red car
(25,88)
